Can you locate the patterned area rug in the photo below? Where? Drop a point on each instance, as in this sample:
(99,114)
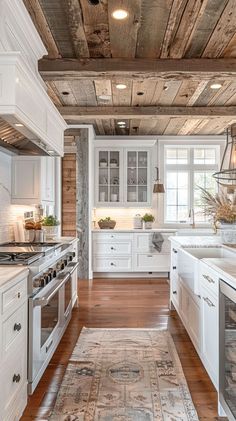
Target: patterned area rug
(124,375)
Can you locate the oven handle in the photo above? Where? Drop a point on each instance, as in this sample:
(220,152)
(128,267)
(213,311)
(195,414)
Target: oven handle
(227,290)
(43,301)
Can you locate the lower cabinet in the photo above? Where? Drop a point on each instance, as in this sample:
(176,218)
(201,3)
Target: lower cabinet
(190,313)
(129,252)
(210,335)
(75,299)
(13,348)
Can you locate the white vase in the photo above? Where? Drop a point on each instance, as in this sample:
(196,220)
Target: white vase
(51,232)
(228,233)
(148,225)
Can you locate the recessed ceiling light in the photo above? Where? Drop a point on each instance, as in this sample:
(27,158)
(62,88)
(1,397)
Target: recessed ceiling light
(216,86)
(104,97)
(121,123)
(51,152)
(140,93)
(121,86)
(165,88)
(19,125)
(120,14)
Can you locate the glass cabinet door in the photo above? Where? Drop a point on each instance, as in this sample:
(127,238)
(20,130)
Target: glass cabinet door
(137,176)
(109,176)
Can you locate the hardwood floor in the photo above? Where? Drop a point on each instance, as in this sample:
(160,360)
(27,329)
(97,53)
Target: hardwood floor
(122,303)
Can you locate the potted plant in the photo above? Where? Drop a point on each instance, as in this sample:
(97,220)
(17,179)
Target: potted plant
(106,223)
(148,219)
(222,211)
(50,225)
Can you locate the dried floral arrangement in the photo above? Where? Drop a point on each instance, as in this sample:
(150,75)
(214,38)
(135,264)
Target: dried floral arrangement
(220,207)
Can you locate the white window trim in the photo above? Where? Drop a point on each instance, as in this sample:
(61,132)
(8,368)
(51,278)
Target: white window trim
(197,143)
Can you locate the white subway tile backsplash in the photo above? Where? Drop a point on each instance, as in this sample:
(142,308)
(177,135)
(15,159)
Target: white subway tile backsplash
(123,216)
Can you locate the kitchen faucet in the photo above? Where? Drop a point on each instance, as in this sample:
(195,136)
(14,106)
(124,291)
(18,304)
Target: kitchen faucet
(192,216)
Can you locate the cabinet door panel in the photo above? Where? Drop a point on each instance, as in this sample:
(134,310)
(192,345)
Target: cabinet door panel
(108,179)
(210,335)
(25,179)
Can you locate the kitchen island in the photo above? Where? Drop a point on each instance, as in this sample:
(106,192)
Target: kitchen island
(198,266)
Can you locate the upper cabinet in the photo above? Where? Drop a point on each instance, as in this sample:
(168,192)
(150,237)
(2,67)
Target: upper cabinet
(122,177)
(33,180)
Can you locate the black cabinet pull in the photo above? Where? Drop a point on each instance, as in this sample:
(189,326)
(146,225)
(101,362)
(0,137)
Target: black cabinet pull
(17,327)
(174,292)
(174,267)
(16,378)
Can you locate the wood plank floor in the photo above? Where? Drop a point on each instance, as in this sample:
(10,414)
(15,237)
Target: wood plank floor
(122,303)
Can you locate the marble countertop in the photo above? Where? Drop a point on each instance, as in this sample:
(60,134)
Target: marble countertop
(170,230)
(226,267)
(197,241)
(8,273)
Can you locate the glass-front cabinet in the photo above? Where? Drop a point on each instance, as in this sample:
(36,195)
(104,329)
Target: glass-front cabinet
(122,177)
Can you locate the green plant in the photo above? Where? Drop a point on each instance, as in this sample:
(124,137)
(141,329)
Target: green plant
(107,219)
(50,221)
(219,206)
(148,217)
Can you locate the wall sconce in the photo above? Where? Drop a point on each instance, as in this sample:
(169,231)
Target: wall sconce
(158,187)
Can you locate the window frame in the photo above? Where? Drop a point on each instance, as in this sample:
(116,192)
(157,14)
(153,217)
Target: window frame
(191,168)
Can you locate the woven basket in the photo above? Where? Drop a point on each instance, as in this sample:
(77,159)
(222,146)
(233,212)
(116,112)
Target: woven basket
(107,225)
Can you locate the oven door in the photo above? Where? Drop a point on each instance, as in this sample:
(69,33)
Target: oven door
(227,376)
(45,328)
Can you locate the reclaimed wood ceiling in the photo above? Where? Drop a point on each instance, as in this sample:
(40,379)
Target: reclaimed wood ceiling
(77,34)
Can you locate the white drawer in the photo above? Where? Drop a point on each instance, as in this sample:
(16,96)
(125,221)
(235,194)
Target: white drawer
(14,376)
(14,296)
(112,248)
(152,262)
(143,243)
(209,278)
(116,264)
(112,236)
(14,328)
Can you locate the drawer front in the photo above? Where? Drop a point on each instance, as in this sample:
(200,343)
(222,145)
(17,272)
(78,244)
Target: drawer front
(112,236)
(13,297)
(153,262)
(14,328)
(209,278)
(121,264)
(143,243)
(112,248)
(14,375)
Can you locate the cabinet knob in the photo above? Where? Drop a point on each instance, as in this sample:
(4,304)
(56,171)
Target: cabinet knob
(16,378)
(174,292)
(17,327)
(174,267)
(112,248)
(112,264)
(18,295)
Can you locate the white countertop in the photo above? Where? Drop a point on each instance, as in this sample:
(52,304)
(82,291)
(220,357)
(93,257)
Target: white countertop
(8,273)
(170,230)
(197,241)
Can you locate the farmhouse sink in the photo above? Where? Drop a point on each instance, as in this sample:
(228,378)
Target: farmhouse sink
(188,262)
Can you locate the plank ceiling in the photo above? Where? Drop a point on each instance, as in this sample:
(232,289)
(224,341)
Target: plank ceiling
(167,29)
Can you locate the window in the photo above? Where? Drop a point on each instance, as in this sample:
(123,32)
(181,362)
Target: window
(186,169)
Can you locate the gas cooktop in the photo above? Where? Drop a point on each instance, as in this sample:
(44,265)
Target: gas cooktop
(20,258)
(24,253)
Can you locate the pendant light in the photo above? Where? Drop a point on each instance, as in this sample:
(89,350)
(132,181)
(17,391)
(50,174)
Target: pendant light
(158,187)
(226,177)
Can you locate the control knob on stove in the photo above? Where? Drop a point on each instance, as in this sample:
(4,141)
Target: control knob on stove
(65,262)
(54,273)
(46,279)
(62,266)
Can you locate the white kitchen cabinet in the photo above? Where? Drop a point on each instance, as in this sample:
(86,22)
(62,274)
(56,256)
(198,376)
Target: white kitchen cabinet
(123,177)
(209,283)
(13,348)
(129,252)
(33,180)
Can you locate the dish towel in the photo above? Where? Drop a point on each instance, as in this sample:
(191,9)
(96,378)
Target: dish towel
(157,241)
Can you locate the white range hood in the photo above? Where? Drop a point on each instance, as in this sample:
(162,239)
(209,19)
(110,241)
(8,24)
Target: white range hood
(24,102)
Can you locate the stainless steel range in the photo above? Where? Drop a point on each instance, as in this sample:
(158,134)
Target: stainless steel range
(51,268)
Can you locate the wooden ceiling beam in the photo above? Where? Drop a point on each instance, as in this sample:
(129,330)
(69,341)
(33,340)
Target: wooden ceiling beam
(104,113)
(165,69)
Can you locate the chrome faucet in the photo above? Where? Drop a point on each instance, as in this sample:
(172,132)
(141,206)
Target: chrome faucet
(192,216)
